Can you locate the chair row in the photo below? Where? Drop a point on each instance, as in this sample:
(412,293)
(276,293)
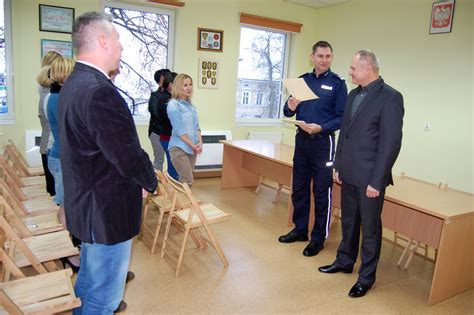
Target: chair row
(31,235)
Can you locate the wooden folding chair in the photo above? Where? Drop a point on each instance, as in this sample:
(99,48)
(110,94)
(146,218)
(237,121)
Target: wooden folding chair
(36,224)
(162,201)
(41,294)
(192,218)
(17,158)
(27,192)
(27,207)
(20,181)
(39,251)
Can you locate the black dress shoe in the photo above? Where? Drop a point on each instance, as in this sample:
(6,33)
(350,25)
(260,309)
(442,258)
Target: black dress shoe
(122,307)
(130,276)
(312,249)
(333,269)
(358,290)
(293,237)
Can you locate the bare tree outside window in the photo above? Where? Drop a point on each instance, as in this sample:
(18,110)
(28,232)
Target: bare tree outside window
(261,66)
(145,40)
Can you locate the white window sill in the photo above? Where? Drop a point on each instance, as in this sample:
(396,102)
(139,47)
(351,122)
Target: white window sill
(258,122)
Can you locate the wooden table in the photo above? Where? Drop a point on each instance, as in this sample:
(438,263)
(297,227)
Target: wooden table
(443,219)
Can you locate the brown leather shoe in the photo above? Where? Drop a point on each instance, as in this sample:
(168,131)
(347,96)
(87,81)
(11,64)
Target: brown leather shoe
(122,307)
(130,276)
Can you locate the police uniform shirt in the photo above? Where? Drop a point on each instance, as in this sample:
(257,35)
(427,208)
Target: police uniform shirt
(328,109)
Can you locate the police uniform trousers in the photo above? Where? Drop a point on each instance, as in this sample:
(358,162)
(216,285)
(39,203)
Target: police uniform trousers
(357,209)
(312,160)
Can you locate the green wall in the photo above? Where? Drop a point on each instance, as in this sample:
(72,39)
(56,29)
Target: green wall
(434,72)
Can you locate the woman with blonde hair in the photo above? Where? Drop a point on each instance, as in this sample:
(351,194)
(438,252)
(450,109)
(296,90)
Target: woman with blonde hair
(43,88)
(61,68)
(186,140)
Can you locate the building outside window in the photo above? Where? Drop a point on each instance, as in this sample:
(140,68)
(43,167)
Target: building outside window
(262,64)
(146,35)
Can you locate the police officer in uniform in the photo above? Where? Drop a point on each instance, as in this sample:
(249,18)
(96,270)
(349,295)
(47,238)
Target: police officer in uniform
(314,148)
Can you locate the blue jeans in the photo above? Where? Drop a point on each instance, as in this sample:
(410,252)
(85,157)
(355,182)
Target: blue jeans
(54,165)
(171,170)
(101,280)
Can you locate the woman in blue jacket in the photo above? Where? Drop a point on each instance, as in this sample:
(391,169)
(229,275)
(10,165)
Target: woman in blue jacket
(186,141)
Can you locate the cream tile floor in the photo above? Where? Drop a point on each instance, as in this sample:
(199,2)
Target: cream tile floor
(267,277)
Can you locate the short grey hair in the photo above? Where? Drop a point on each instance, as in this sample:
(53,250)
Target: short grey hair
(369,57)
(85,29)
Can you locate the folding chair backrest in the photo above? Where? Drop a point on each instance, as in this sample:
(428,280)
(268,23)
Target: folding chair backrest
(11,199)
(11,185)
(10,142)
(14,160)
(13,219)
(7,170)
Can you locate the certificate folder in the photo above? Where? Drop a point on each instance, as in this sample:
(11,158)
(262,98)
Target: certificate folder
(299,89)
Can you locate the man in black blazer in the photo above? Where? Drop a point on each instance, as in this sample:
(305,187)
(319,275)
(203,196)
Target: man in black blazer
(103,164)
(368,145)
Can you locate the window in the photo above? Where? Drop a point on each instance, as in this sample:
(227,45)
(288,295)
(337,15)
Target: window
(7,109)
(146,35)
(262,66)
(259,98)
(245,97)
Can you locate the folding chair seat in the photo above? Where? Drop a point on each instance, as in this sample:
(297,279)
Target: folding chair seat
(41,294)
(17,157)
(39,251)
(192,218)
(27,207)
(35,224)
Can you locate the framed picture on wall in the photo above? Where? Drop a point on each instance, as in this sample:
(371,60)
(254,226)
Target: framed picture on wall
(55,19)
(211,40)
(208,73)
(62,47)
(442,17)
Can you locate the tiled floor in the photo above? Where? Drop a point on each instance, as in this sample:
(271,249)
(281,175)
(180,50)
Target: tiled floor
(267,277)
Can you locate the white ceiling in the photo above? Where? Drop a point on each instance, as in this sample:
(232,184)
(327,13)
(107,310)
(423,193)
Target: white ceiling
(317,3)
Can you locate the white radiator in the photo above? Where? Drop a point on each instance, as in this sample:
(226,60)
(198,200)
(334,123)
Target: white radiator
(32,141)
(275,137)
(212,150)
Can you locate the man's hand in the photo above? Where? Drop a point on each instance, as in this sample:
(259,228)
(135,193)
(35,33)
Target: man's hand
(336,177)
(372,192)
(293,103)
(311,128)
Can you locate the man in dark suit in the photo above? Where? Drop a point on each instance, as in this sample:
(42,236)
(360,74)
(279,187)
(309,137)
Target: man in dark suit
(104,166)
(368,145)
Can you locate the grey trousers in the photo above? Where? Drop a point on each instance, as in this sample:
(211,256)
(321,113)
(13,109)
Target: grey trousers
(184,164)
(158,151)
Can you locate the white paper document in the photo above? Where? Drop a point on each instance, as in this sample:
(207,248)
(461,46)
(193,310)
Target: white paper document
(294,122)
(299,89)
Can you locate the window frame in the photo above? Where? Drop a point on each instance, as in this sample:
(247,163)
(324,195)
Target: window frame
(144,120)
(284,96)
(8,119)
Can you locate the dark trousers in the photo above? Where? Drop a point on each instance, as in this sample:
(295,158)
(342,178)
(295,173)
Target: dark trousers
(313,161)
(47,175)
(358,209)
